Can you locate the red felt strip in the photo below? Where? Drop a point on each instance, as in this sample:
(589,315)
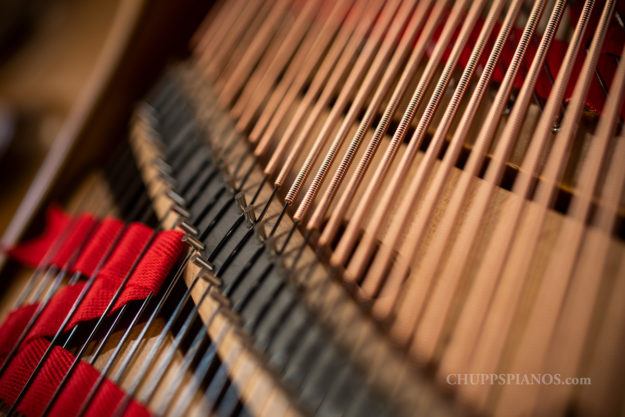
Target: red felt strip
(154,267)
(147,277)
(98,246)
(55,312)
(126,252)
(32,252)
(58,245)
(61,240)
(12,328)
(48,379)
(77,239)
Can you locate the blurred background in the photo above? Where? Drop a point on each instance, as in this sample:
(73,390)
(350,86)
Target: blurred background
(47,51)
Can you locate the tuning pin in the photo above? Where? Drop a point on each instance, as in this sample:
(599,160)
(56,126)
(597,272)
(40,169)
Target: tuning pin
(176,198)
(240,199)
(206,270)
(220,297)
(261,229)
(193,242)
(182,212)
(166,178)
(233,317)
(250,214)
(187,227)
(228,313)
(202,263)
(162,166)
(210,278)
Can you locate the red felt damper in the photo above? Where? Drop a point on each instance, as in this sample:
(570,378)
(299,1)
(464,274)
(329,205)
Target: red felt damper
(113,253)
(148,277)
(12,328)
(99,245)
(76,244)
(48,379)
(33,252)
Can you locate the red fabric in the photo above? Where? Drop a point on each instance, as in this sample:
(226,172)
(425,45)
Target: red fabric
(114,272)
(50,376)
(153,268)
(148,276)
(92,240)
(32,252)
(99,244)
(63,238)
(12,327)
(126,252)
(55,312)
(77,239)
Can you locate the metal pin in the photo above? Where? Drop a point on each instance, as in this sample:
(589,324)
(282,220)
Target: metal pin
(187,227)
(219,297)
(182,212)
(240,198)
(168,179)
(162,165)
(250,214)
(193,242)
(202,263)
(230,315)
(177,198)
(210,278)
